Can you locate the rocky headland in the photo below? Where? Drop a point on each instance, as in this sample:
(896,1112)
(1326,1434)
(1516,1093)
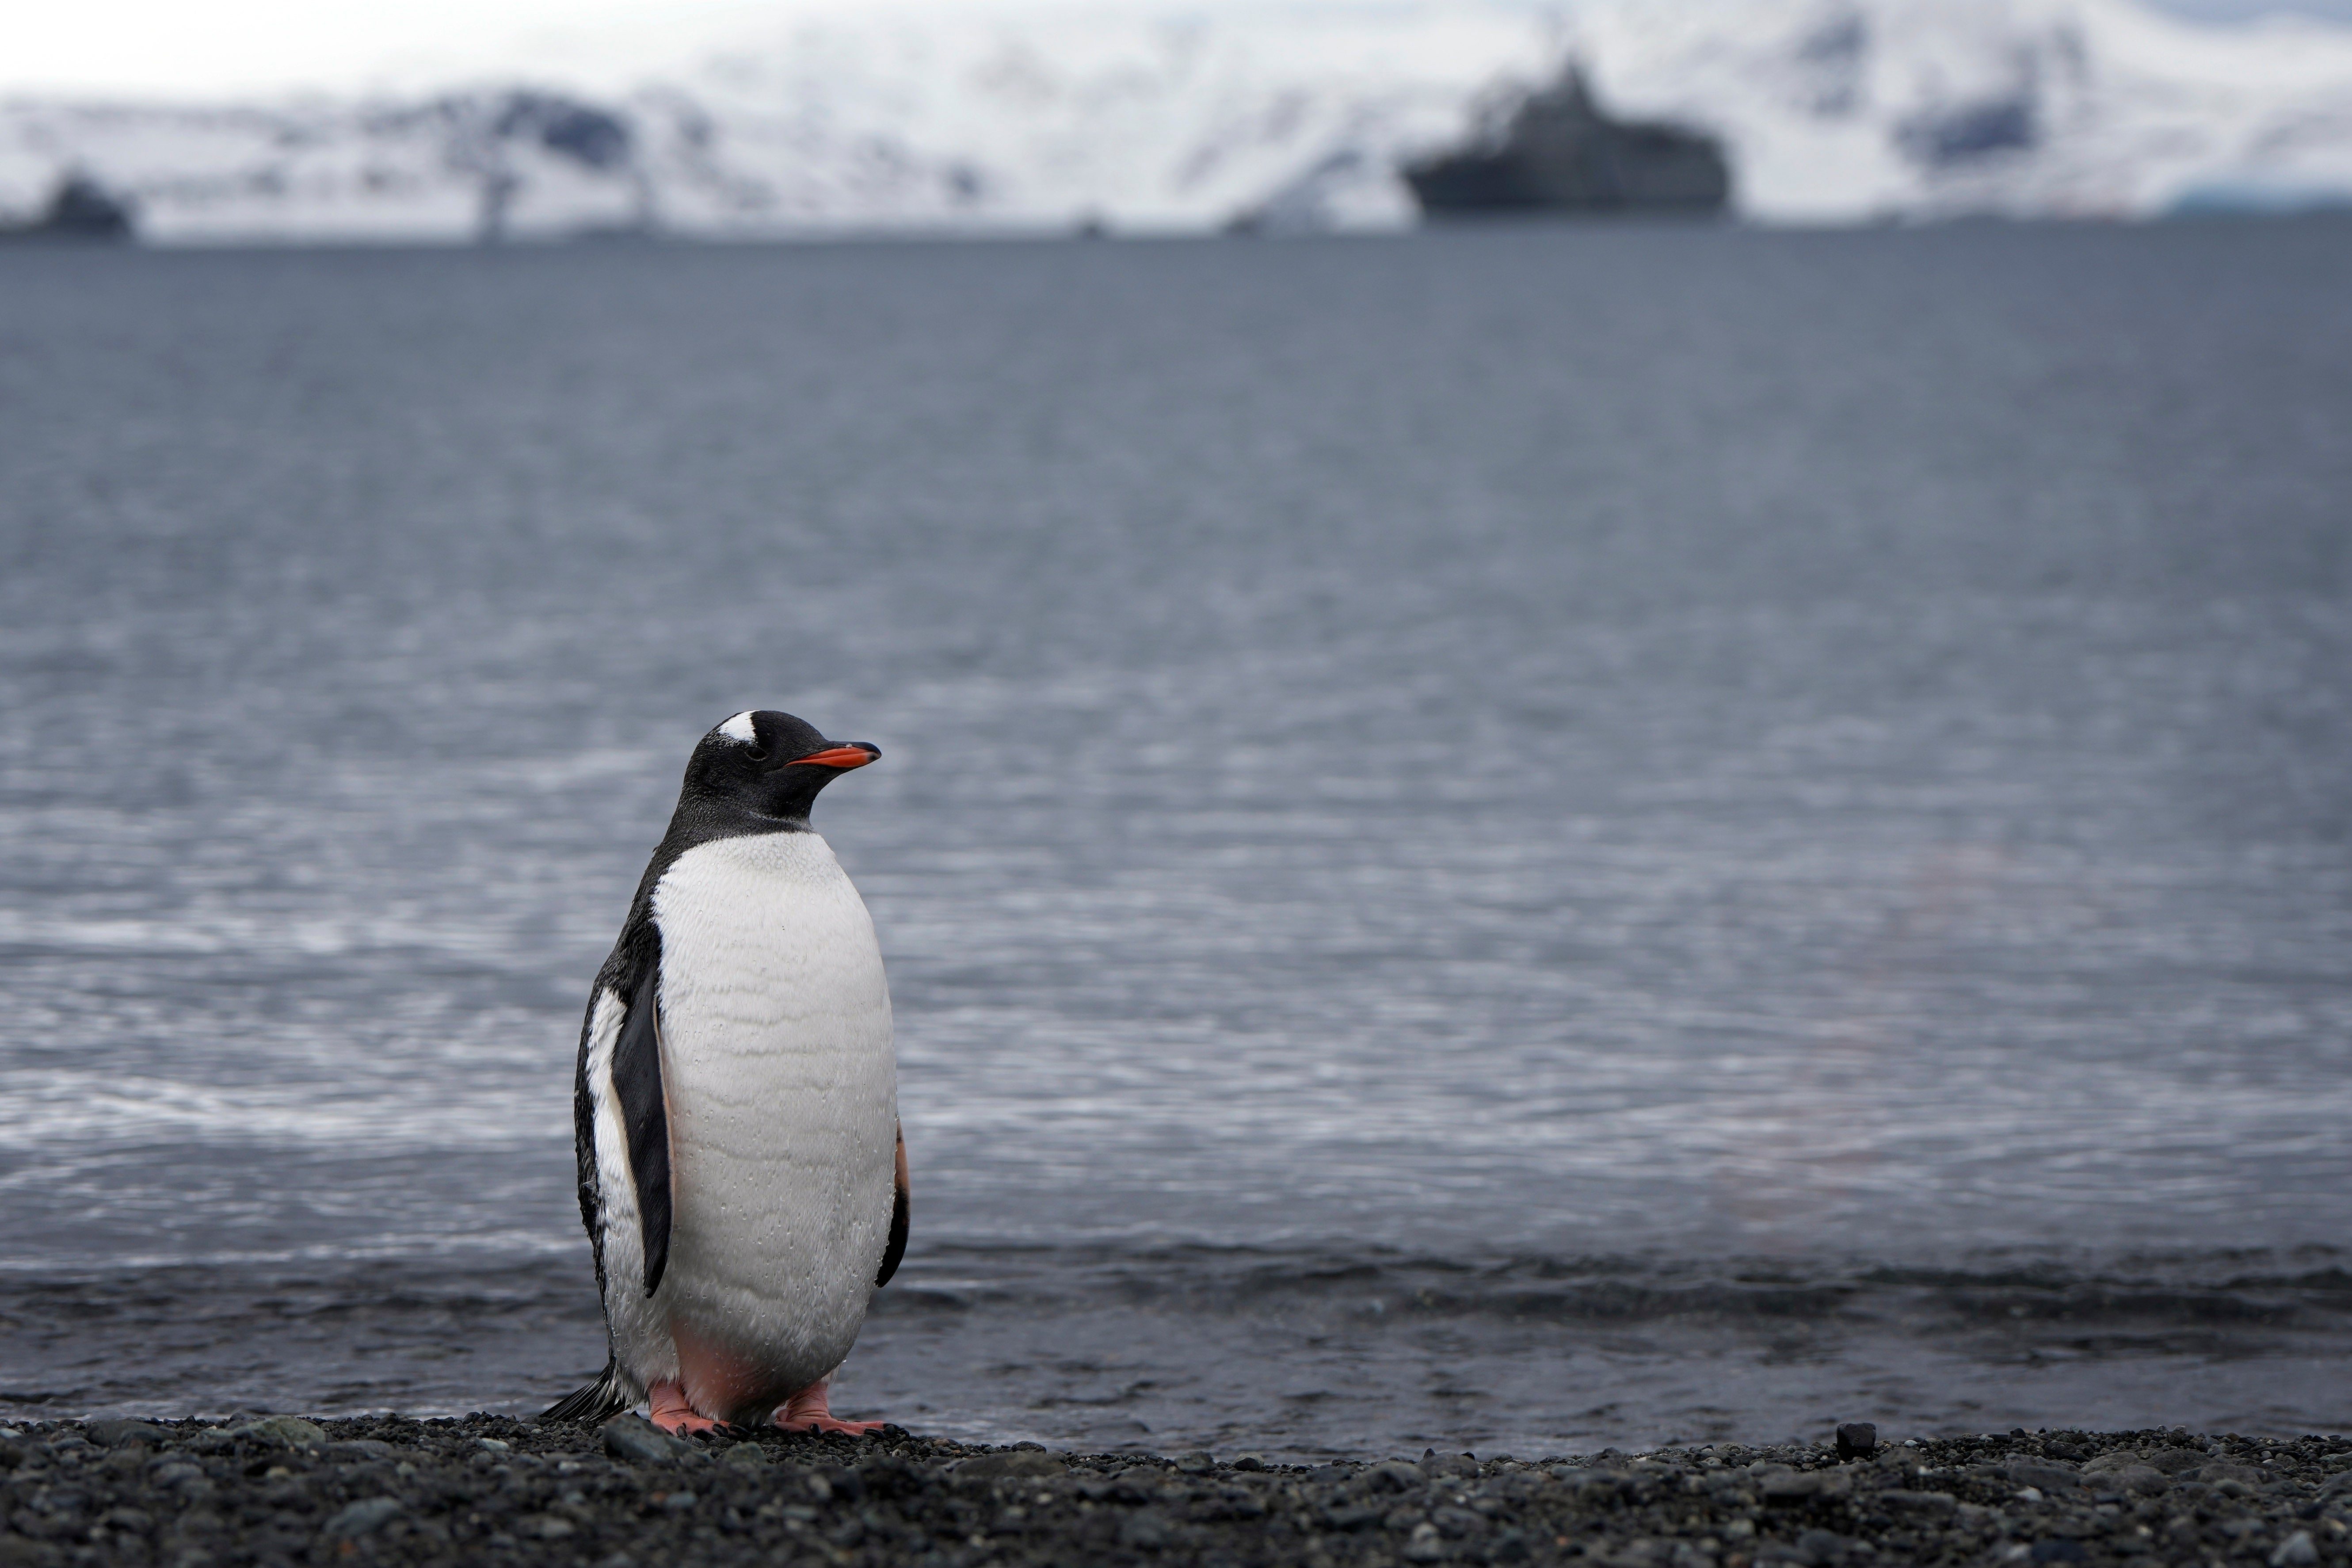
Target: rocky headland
(281,1489)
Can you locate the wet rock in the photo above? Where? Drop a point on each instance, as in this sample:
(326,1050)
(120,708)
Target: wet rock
(2222,1471)
(1911,1505)
(362,1518)
(1143,1531)
(1396,1475)
(640,1442)
(121,1434)
(2295,1552)
(1822,1548)
(1802,1486)
(2173,1461)
(1009,1462)
(2043,1475)
(1857,1440)
(2132,1479)
(290,1432)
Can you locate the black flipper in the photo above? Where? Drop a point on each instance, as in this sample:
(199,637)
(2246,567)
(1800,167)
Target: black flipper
(900,1214)
(637,1081)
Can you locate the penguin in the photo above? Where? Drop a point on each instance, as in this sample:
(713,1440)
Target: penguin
(742,1174)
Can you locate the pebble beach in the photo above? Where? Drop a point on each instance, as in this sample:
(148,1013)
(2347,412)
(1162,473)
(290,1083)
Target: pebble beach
(282,1490)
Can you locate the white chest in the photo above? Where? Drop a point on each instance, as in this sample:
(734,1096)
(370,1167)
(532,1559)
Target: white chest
(767,955)
(776,1058)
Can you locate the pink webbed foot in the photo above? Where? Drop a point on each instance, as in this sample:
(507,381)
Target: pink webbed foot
(807,1412)
(673,1414)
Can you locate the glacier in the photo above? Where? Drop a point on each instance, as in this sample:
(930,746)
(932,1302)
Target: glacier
(1022,121)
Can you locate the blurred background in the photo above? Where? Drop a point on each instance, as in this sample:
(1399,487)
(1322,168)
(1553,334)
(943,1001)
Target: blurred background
(1602,724)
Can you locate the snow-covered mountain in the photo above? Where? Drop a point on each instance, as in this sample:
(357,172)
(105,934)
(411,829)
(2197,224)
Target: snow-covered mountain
(1835,110)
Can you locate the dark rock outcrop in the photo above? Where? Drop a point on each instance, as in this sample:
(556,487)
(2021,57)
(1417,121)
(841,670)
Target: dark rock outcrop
(80,208)
(1558,152)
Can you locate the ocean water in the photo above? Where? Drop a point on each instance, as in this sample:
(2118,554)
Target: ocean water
(1511,839)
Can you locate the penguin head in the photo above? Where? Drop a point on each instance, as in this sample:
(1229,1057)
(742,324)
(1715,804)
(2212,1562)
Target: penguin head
(770,763)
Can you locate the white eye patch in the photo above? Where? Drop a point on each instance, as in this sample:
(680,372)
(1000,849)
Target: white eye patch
(739,729)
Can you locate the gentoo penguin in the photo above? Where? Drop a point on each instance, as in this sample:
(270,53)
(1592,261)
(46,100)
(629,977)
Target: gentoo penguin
(736,1106)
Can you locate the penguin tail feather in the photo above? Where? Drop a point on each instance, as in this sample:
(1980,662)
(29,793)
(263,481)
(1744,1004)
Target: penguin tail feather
(594,1405)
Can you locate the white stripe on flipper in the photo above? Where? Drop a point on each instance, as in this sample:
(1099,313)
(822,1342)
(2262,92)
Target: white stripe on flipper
(739,729)
(639,1326)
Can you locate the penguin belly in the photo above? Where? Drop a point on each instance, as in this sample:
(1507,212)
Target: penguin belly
(781,1095)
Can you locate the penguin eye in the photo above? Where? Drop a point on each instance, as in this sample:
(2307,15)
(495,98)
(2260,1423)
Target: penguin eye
(757,753)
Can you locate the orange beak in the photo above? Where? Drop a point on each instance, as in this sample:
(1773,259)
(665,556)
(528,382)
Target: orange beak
(836,757)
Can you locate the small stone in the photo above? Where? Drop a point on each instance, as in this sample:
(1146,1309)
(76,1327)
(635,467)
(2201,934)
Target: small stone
(1822,1547)
(2048,1475)
(281,1432)
(1196,1463)
(1425,1546)
(1397,1476)
(1249,1461)
(1350,1516)
(121,1434)
(640,1442)
(679,1501)
(360,1449)
(362,1518)
(494,1444)
(2135,1479)
(1143,1531)
(130,1518)
(1009,1462)
(2224,1471)
(1797,1486)
(747,1454)
(1857,1440)
(1919,1505)
(2058,1551)
(554,1529)
(2295,1552)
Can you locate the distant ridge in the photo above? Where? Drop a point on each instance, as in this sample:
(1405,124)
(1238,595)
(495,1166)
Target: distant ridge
(1559,152)
(1829,110)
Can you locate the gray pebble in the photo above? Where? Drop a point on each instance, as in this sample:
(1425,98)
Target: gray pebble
(1143,1531)
(2295,1552)
(2044,1475)
(121,1434)
(281,1432)
(640,1442)
(362,1518)
(1009,1462)
(1919,1505)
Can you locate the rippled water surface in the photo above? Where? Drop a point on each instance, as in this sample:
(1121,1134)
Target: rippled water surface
(1526,838)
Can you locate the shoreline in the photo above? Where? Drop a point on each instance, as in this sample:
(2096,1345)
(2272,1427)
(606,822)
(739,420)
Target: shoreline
(283,1489)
